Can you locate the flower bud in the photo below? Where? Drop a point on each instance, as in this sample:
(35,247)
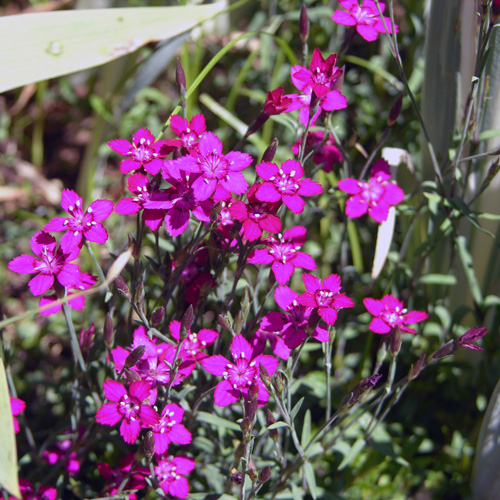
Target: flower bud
(180,80)
(87,339)
(395,111)
(186,322)
(364,386)
(251,401)
(246,426)
(149,445)
(269,153)
(236,476)
(135,356)
(132,244)
(132,376)
(264,375)
(396,338)
(122,288)
(415,369)
(265,474)
(303,24)
(444,351)
(158,316)
(252,470)
(215,211)
(270,420)
(279,383)
(109,334)
(224,322)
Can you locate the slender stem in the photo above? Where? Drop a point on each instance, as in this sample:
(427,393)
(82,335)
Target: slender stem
(328,371)
(96,264)
(77,353)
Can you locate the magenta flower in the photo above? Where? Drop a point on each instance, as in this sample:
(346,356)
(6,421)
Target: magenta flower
(194,342)
(142,189)
(179,200)
(135,477)
(128,407)
(322,77)
(29,493)
(276,103)
(169,429)
(284,254)
(257,216)
(328,154)
(80,225)
(471,336)
(77,303)
(365,17)
(238,376)
(17,406)
(390,313)
(286,184)
(170,474)
(292,324)
(61,452)
(143,152)
(215,168)
(325,296)
(188,132)
(375,196)
(52,264)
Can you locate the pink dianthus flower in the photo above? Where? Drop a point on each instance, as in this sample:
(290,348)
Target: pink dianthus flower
(285,183)
(17,406)
(365,17)
(240,375)
(127,406)
(143,152)
(390,313)
(325,296)
(375,196)
(327,154)
(170,473)
(51,264)
(188,132)
(169,429)
(28,492)
(80,225)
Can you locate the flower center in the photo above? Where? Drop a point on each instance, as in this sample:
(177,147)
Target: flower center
(257,211)
(285,184)
(129,407)
(323,297)
(241,374)
(214,166)
(372,192)
(283,251)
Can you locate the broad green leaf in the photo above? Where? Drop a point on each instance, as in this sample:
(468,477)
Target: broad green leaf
(216,421)
(310,479)
(8,451)
(45,45)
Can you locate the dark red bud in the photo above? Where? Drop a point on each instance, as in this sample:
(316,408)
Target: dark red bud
(417,367)
(303,24)
(135,356)
(180,79)
(396,340)
(395,111)
(269,153)
(265,474)
(122,287)
(149,445)
(224,322)
(186,322)
(158,316)
(132,376)
(270,420)
(236,476)
(136,252)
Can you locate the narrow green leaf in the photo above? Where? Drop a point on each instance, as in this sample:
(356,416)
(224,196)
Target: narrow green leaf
(470,274)
(353,453)
(306,429)
(310,479)
(277,425)
(45,45)
(217,421)
(296,409)
(8,451)
(438,279)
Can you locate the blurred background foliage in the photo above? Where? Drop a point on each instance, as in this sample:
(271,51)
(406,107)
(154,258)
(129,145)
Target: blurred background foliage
(53,135)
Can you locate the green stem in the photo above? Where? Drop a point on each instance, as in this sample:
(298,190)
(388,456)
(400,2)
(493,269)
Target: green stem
(77,353)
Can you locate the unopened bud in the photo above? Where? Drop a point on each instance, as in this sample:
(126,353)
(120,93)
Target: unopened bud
(132,244)
(186,322)
(236,476)
(121,287)
(180,80)
(495,11)
(364,386)
(444,351)
(158,316)
(224,322)
(264,375)
(132,376)
(417,367)
(270,420)
(252,470)
(109,332)
(139,295)
(135,356)
(251,401)
(149,445)
(246,425)
(395,111)
(215,212)
(279,382)
(87,339)
(265,474)
(303,24)
(396,339)
(269,153)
